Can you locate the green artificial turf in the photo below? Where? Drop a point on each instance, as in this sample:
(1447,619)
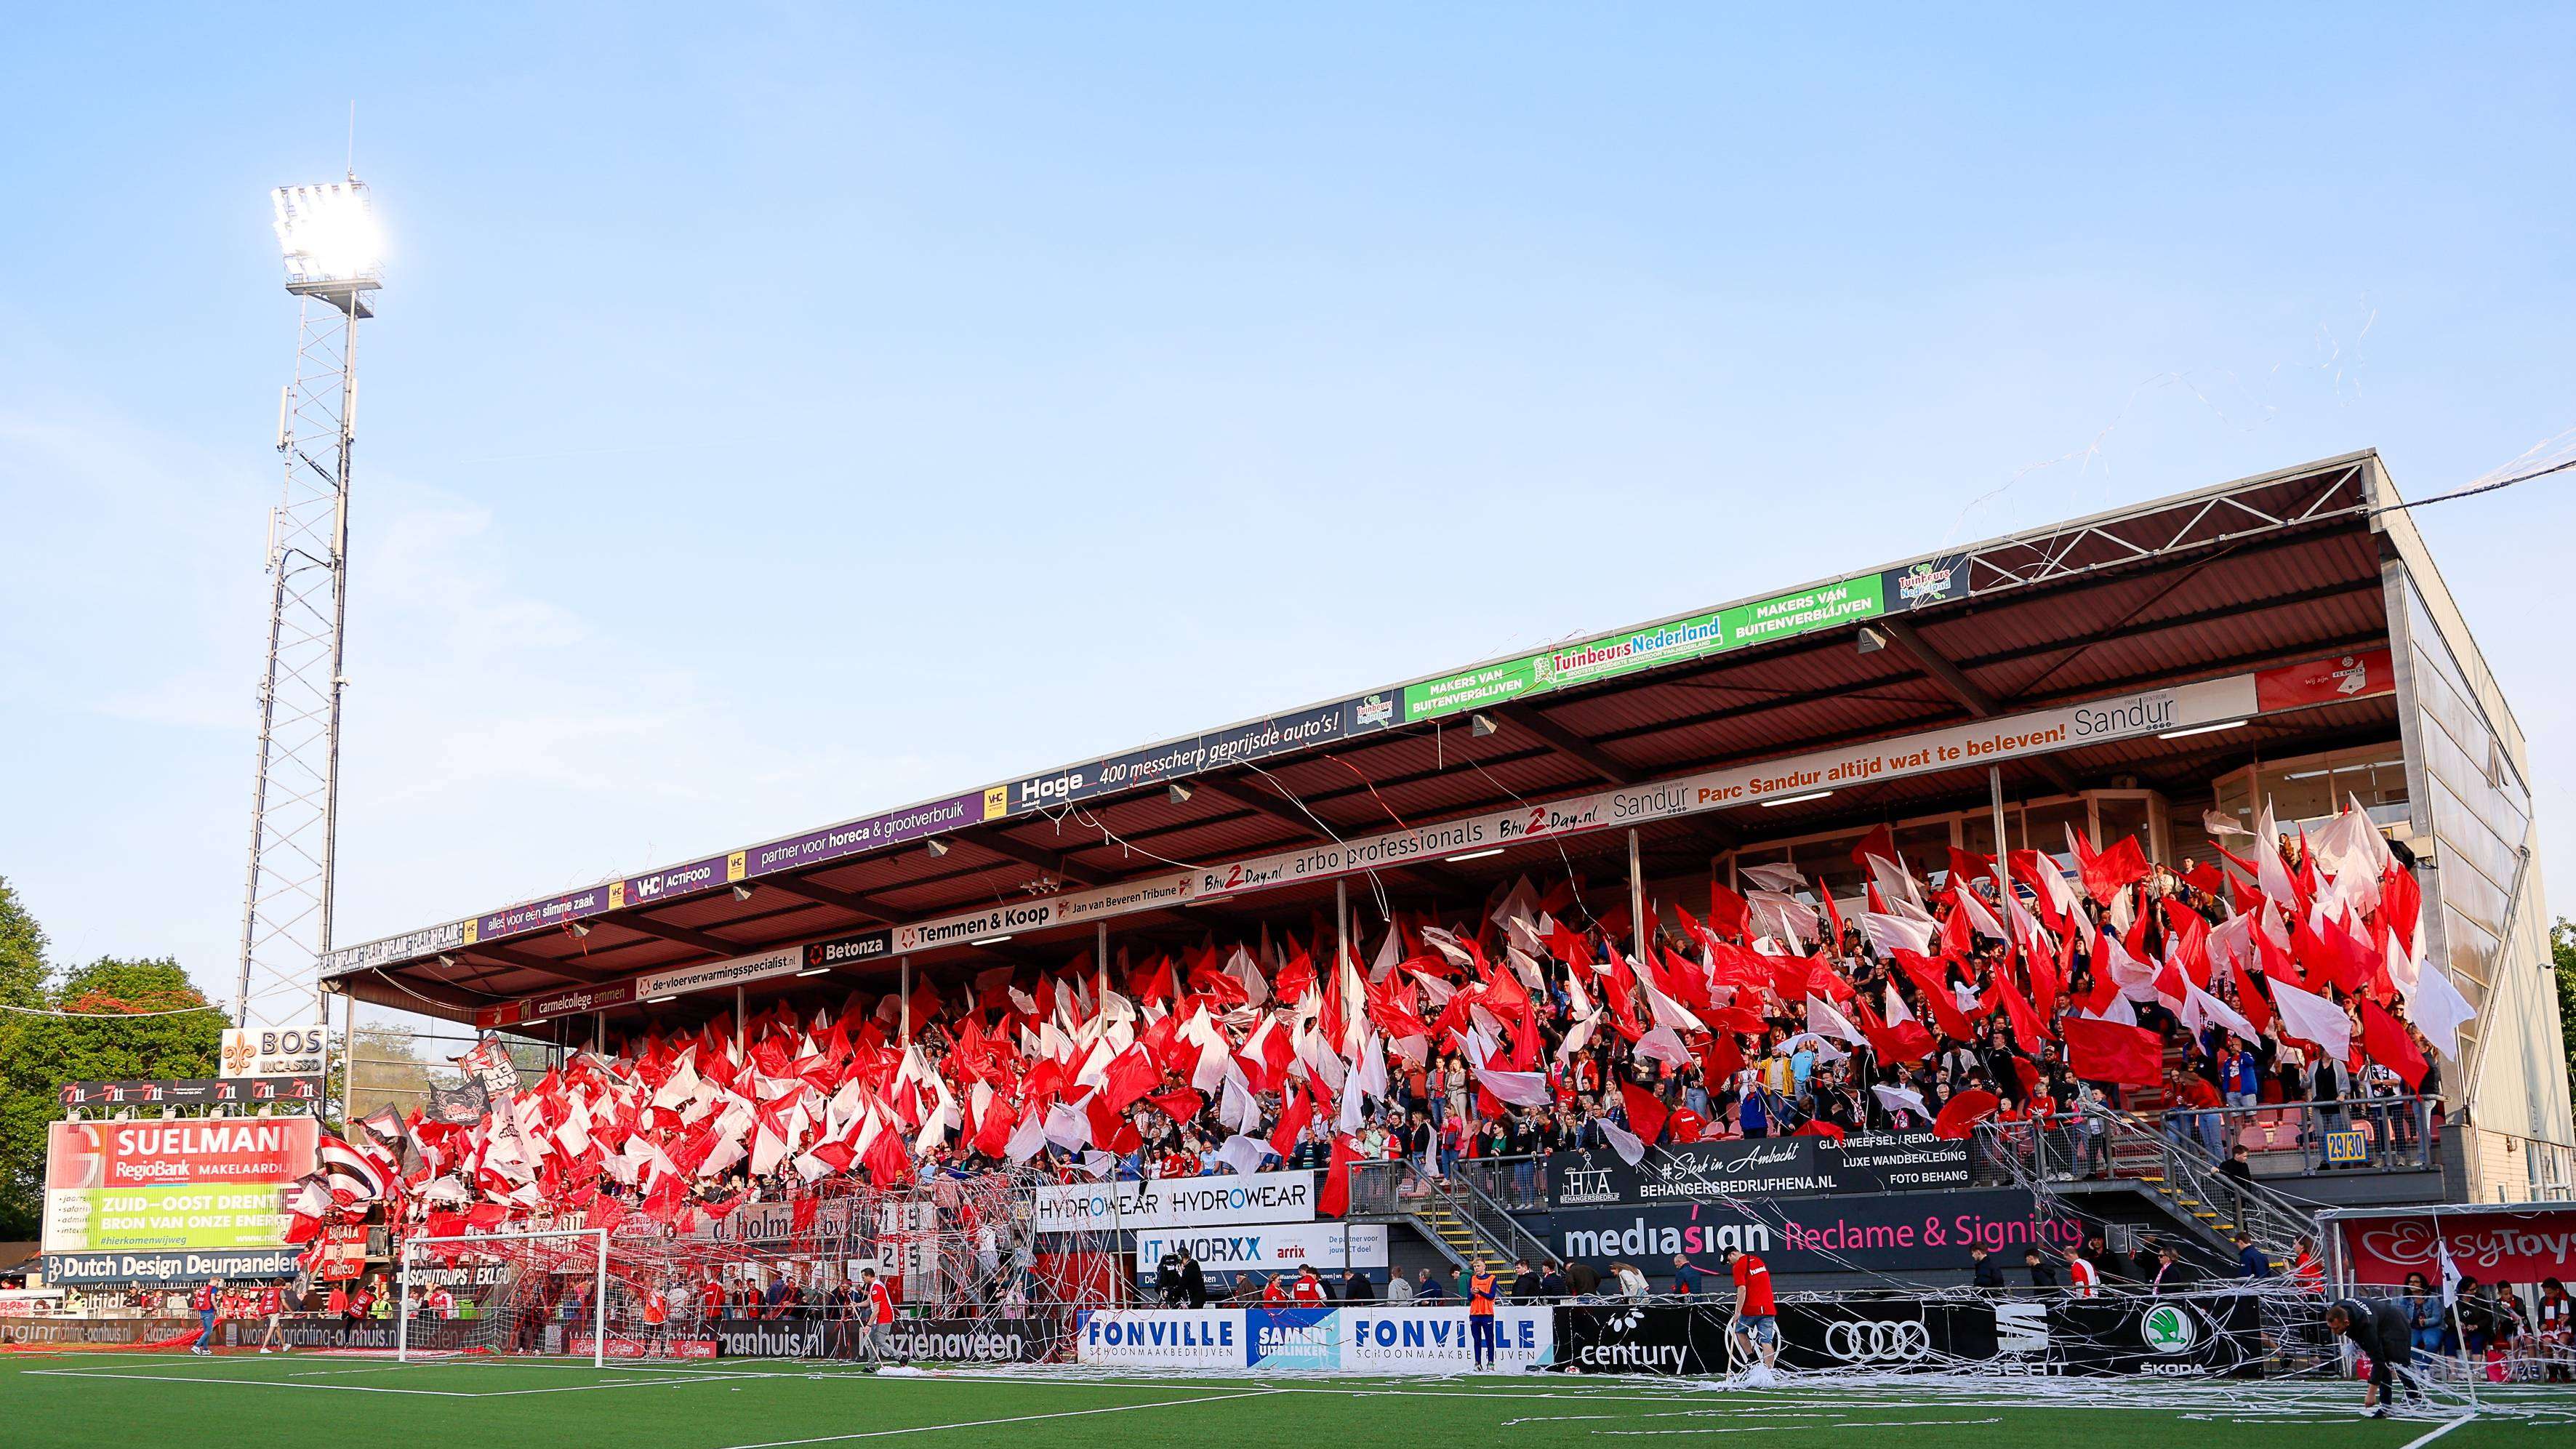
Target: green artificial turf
(137,1400)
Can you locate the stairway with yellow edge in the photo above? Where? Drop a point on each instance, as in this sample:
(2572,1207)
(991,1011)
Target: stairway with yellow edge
(1455,1237)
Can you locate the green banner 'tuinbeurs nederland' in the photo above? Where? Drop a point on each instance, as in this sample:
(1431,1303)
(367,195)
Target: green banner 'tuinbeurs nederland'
(1785,616)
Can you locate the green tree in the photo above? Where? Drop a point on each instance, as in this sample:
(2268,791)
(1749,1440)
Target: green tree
(110,1034)
(387,1069)
(2562,953)
(22,985)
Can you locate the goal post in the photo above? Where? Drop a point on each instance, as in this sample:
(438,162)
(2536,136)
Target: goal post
(487,1294)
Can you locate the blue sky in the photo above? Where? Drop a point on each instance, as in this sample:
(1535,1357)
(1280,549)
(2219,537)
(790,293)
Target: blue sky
(780,412)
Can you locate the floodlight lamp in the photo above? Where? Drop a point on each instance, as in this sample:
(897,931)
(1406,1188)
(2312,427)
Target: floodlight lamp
(741,892)
(329,236)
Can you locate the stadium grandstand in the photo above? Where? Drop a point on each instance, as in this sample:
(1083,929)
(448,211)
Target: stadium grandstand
(2083,953)
(2276,648)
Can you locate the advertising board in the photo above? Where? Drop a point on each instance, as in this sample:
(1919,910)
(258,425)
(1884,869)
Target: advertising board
(1372,1340)
(1194,1338)
(156,1194)
(1760,1167)
(1894,1233)
(1227,1199)
(268,1051)
(1265,1248)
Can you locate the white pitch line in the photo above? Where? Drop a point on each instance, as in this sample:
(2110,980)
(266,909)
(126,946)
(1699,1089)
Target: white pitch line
(363,1388)
(266,1383)
(2419,1443)
(992,1423)
(1767,1428)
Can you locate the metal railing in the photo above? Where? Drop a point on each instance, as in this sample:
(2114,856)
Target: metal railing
(2288,1139)
(2128,1145)
(1400,1189)
(1517,1184)
(1496,1225)
(2368,1134)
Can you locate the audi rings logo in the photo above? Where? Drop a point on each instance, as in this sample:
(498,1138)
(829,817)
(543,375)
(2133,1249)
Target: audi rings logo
(1858,1341)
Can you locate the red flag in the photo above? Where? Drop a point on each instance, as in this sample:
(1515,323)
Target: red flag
(2106,1051)
(887,1163)
(1295,978)
(1728,913)
(2027,1027)
(1646,1111)
(2257,1011)
(2044,981)
(1880,842)
(1334,1198)
(1721,1059)
(2401,901)
(1834,914)
(2107,871)
(1293,1118)
(2104,988)
(1963,1111)
(1180,1104)
(992,1135)
(2389,1045)
(1131,1075)
(1932,978)
(1819,1127)
(1967,865)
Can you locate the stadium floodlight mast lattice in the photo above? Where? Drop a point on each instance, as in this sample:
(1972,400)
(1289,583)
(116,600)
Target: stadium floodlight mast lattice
(333,255)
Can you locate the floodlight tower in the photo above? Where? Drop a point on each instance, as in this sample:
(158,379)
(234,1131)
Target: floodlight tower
(331,243)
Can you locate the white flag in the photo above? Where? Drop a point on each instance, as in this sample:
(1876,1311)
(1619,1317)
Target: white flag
(1243,1154)
(1027,1139)
(1896,933)
(1824,1020)
(2304,1014)
(2438,1010)
(1630,1147)
(1904,1099)
(1521,1089)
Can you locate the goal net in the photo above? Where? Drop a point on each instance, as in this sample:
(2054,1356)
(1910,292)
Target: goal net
(968,1271)
(515,1293)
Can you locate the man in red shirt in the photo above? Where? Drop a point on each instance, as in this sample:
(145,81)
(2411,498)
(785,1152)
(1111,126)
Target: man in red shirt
(2201,1096)
(1310,1289)
(876,1327)
(272,1306)
(657,1313)
(205,1302)
(1755,1332)
(711,1299)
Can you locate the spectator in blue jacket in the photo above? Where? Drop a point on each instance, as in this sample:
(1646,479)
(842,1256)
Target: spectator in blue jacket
(2251,1261)
(1685,1277)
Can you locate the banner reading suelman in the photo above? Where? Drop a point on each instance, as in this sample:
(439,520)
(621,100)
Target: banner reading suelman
(147,1189)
